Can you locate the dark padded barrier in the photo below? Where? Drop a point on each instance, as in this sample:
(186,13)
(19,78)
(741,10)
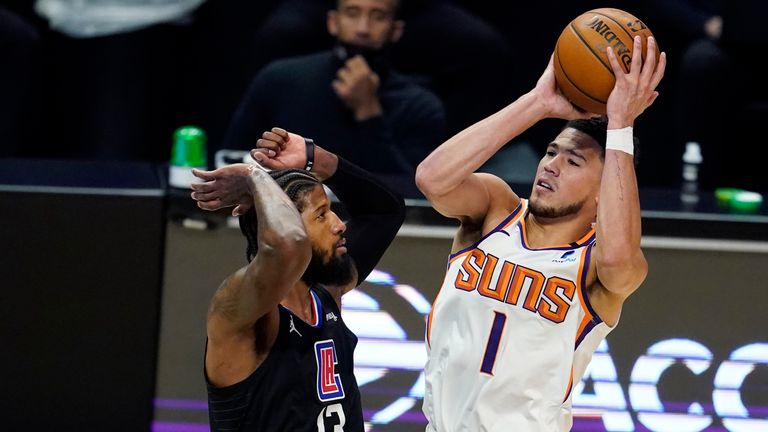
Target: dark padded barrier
(81,265)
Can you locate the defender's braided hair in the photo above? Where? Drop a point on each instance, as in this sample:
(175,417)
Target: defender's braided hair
(295,183)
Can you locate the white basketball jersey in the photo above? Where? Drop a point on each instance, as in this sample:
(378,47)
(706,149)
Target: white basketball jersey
(511,330)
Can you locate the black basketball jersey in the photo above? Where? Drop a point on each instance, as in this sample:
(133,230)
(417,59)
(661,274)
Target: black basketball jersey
(306,383)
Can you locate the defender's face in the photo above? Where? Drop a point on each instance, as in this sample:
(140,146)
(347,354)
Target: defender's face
(324,228)
(568,176)
(365,23)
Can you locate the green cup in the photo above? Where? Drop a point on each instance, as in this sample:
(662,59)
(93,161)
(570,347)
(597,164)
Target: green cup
(189,147)
(188,151)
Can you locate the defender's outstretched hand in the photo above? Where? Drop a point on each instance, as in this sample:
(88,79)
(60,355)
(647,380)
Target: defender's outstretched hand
(635,90)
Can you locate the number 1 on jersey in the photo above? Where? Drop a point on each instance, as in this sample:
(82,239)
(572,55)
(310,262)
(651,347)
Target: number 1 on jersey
(492,346)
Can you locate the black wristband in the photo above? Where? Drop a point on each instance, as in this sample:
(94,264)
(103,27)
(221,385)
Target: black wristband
(310,147)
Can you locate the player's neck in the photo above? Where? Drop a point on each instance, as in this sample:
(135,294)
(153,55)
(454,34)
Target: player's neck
(299,301)
(546,232)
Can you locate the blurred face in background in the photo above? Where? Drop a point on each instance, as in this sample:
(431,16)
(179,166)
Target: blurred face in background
(365,23)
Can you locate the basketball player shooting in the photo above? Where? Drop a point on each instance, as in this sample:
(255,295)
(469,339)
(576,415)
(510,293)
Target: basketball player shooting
(533,285)
(278,355)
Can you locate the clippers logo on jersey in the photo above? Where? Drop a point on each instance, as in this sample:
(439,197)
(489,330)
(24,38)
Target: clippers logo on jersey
(328,381)
(550,297)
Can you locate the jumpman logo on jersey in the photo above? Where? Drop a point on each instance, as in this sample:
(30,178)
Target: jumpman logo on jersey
(292,327)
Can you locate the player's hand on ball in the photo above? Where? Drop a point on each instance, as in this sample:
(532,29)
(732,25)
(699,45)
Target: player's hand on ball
(635,90)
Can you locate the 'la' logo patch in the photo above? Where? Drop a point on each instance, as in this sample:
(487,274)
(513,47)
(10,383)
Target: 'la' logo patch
(328,381)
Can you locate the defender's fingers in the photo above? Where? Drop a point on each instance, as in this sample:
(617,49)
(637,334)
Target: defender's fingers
(268,146)
(271,136)
(262,153)
(240,210)
(204,196)
(210,205)
(203,174)
(201,187)
(281,132)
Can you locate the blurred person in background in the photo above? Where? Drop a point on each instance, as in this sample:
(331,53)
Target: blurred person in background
(349,99)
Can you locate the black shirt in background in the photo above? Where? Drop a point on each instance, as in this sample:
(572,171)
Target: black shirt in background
(296,94)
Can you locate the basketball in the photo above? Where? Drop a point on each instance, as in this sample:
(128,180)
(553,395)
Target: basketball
(582,70)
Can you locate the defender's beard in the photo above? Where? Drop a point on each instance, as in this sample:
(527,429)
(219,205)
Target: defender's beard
(338,271)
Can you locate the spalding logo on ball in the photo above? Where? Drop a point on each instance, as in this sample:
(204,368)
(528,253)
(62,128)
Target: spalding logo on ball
(582,69)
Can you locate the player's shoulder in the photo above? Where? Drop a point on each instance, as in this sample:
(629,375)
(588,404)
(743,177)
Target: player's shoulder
(503,200)
(503,204)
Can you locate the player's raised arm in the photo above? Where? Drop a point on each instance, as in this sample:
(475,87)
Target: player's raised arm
(620,264)
(375,211)
(446,177)
(256,289)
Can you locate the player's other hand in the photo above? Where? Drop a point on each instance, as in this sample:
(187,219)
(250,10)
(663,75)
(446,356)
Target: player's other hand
(554,103)
(227,186)
(279,149)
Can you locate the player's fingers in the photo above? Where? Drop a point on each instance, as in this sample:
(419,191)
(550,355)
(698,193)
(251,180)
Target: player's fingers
(262,157)
(637,56)
(271,146)
(262,153)
(271,136)
(652,98)
(649,65)
(240,210)
(201,187)
(204,196)
(617,70)
(210,205)
(266,162)
(658,74)
(280,132)
(284,137)
(203,174)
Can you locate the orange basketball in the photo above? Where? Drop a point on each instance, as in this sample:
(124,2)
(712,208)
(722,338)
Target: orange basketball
(582,70)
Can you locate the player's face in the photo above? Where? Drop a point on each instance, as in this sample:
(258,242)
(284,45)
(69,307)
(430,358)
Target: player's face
(365,23)
(325,229)
(330,263)
(568,177)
